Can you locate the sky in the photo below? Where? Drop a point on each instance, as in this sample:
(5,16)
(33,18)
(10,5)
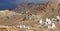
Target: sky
(9,4)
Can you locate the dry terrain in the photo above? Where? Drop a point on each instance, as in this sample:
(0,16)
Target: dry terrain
(30,15)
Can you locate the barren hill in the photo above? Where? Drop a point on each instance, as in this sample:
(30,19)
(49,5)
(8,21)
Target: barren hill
(30,15)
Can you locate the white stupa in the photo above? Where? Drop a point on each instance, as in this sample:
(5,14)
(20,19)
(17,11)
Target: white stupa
(48,21)
(41,22)
(20,26)
(52,26)
(26,27)
(57,17)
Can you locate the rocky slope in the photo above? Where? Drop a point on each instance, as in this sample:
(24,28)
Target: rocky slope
(30,15)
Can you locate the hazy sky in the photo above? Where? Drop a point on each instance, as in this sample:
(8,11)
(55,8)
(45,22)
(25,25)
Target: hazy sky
(35,1)
(4,4)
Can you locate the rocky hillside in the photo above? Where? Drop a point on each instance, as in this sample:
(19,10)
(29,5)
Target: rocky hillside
(32,17)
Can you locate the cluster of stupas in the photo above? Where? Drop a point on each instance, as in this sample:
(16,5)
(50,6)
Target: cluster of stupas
(48,22)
